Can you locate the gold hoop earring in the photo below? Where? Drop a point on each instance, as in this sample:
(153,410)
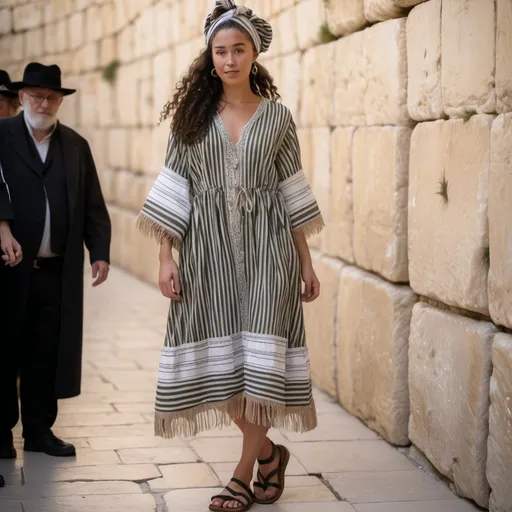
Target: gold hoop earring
(254,69)
(213,72)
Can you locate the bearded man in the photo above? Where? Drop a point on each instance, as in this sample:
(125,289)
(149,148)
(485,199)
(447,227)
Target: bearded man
(50,205)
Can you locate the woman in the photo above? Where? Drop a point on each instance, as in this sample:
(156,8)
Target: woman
(233,199)
(9,103)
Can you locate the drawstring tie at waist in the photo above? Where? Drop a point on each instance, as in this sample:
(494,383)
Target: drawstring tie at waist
(242,201)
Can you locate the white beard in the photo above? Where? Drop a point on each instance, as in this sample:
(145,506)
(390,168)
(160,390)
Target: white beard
(37,121)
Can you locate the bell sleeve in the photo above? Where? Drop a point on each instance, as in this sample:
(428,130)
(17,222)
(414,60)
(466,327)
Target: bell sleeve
(302,206)
(166,211)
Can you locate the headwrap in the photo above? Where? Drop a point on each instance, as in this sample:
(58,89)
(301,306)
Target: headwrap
(259,30)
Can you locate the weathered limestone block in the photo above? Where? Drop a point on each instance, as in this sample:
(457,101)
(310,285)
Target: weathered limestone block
(34,46)
(305,136)
(321,177)
(449,371)
(385,56)
(380,181)
(310,18)
(340,229)
(408,3)
(162,85)
(349,81)
(17,48)
(128,257)
(141,141)
(93,24)
(424,98)
(448,194)
(468,61)
(290,82)
(320,318)
(317,85)
(108,50)
(500,221)
(159,141)
(5,21)
(106,96)
(143,109)
(50,42)
(91,56)
(115,246)
(27,16)
(504,55)
(124,188)
(62,36)
(108,185)
(126,94)
(372,347)
(499,445)
(126,42)
(76,30)
(287,38)
(88,95)
(382,10)
(345,16)
(118,148)
(108,18)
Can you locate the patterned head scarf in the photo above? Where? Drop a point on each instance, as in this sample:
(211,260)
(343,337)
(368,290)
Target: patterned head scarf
(259,30)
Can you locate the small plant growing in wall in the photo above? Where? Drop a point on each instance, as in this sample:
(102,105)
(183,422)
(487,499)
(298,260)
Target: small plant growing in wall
(109,73)
(443,189)
(325,35)
(486,256)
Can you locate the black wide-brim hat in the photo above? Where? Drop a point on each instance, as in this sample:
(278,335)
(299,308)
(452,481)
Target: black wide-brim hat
(6,85)
(39,75)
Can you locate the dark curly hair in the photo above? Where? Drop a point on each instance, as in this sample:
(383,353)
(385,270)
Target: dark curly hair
(197,95)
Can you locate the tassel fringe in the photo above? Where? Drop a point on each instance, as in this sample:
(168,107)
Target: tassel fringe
(148,227)
(312,227)
(218,415)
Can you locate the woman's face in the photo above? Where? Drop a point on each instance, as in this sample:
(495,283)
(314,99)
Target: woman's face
(233,56)
(6,107)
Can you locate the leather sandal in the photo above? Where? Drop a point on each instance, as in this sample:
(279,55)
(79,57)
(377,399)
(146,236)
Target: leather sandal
(248,496)
(264,481)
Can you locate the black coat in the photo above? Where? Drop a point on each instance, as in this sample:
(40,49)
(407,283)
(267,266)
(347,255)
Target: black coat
(88,223)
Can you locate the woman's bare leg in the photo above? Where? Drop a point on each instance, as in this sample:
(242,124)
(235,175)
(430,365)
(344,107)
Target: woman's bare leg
(254,437)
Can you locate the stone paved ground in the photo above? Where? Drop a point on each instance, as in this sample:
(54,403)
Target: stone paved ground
(340,467)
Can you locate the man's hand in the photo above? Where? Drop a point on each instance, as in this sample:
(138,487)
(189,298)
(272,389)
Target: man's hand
(99,272)
(12,253)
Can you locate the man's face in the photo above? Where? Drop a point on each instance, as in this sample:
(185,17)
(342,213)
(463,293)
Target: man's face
(41,106)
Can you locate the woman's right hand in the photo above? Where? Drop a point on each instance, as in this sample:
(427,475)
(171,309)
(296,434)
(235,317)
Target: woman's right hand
(169,280)
(12,253)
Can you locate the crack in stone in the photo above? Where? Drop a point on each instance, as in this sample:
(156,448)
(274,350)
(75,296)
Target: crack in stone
(327,484)
(161,505)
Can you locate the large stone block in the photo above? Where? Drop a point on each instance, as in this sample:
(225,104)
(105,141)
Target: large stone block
(126,94)
(5,21)
(345,16)
(499,445)
(317,85)
(340,229)
(380,181)
(124,189)
(108,18)
(424,98)
(385,56)
(468,61)
(93,24)
(320,318)
(88,96)
(62,36)
(118,148)
(321,177)
(504,55)
(108,51)
(34,46)
(500,221)
(286,39)
(381,10)
(162,85)
(106,98)
(372,352)
(76,30)
(17,49)
(449,371)
(349,81)
(28,16)
(408,3)
(448,194)
(310,18)
(290,81)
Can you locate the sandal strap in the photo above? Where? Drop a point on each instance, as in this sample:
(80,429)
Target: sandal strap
(262,462)
(225,498)
(248,490)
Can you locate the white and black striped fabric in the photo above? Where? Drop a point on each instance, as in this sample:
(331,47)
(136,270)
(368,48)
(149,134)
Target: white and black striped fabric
(235,346)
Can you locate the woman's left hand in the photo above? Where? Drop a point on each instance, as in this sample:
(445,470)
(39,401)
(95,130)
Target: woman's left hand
(311,284)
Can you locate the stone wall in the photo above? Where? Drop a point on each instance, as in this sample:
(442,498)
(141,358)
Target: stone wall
(404,110)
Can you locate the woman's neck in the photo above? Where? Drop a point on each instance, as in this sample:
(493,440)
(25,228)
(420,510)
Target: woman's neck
(236,95)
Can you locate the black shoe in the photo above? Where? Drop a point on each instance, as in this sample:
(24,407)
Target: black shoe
(2,481)
(51,445)
(7,451)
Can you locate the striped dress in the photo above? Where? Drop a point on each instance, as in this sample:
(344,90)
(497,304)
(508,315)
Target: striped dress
(235,345)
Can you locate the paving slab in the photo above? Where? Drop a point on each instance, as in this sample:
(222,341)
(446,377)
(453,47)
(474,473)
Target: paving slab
(113,503)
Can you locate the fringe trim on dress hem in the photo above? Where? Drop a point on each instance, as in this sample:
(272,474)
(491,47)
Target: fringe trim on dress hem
(218,415)
(312,227)
(152,229)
